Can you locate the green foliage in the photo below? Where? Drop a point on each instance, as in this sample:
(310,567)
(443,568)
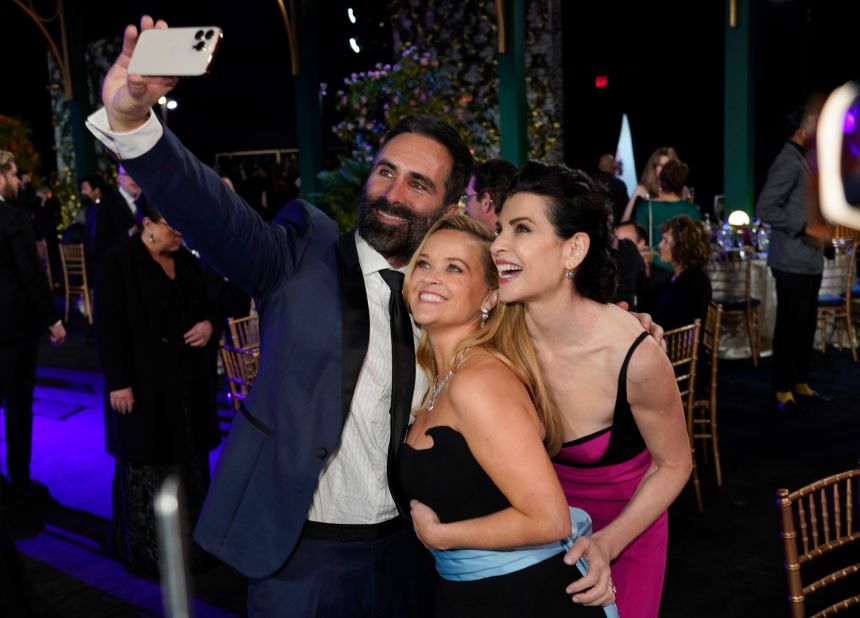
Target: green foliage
(15,137)
(340,189)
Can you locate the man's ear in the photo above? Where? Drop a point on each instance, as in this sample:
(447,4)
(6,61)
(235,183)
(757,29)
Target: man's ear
(486,203)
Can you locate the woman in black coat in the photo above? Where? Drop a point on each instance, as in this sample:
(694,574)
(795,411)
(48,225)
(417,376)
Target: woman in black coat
(152,324)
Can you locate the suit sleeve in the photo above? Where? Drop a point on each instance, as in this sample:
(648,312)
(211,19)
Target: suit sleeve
(113,328)
(770,206)
(252,253)
(23,244)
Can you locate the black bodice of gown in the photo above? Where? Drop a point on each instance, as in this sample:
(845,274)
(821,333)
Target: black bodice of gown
(447,478)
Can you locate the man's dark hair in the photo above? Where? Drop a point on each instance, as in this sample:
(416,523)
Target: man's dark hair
(494,177)
(449,138)
(575,203)
(641,232)
(96,181)
(673,176)
(794,120)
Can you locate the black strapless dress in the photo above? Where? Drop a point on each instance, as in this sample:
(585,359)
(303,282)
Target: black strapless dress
(448,479)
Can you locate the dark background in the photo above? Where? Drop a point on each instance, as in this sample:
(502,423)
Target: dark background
(664,61)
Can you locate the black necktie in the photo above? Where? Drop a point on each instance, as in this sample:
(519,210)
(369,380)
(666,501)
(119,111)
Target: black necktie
(402,375)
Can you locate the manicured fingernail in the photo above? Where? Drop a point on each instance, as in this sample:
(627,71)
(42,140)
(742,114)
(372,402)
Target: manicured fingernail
(575,600)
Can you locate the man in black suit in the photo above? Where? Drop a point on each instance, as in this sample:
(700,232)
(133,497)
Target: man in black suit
(26,311)
(116,214)
(605,175)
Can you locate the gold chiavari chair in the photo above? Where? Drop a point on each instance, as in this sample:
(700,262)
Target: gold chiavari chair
(730,273)
(245,332)
(835,296)
(75,278)
(240,368)
(818,521)
(682,347)
(704,421)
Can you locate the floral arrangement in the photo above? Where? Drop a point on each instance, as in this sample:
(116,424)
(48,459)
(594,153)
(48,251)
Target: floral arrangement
(370,103)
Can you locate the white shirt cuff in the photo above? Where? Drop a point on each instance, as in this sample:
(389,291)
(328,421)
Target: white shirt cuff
(127,145)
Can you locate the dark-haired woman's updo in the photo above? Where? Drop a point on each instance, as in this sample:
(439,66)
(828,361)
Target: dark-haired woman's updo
(575,203)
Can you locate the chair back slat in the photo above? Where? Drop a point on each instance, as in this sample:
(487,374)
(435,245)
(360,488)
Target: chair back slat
(75,277)
(823,512)
(245,332)
(730,273)
(682,346)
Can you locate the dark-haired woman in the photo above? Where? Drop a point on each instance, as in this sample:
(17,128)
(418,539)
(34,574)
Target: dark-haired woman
(686,246)
(617,430)
(152,326)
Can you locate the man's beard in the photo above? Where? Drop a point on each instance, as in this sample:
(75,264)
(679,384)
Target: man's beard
(396,243)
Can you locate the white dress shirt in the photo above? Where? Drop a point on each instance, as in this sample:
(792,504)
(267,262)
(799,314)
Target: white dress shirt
(353,485)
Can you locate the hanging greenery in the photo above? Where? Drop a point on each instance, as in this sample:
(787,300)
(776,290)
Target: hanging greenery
(370,103)
(467,56)
(449,72)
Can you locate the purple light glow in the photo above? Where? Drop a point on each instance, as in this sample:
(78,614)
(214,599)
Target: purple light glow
(850,122)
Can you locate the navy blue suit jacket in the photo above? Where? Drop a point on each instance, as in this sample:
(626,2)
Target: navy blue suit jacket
(314,327)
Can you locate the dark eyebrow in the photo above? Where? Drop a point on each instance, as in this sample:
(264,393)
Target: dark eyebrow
(413,175)
(518,219)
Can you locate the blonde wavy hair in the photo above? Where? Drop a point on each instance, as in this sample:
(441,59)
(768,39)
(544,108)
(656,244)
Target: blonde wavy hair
(504,335)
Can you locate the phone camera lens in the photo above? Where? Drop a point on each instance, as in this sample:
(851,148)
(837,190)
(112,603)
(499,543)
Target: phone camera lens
(199,45)
(198,34)
(209,34)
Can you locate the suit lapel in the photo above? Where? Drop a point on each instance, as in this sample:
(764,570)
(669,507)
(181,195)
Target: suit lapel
(355,318)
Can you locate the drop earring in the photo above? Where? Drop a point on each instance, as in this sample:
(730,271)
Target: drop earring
(485,315)
(569,274)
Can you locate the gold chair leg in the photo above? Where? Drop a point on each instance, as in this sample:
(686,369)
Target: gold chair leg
(715,444)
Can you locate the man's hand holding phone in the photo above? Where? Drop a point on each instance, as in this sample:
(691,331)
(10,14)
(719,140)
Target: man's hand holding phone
(127,98)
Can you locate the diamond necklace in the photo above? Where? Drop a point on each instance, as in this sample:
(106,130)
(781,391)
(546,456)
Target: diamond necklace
(438,386)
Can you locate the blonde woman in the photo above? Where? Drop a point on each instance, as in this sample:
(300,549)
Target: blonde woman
(474,462)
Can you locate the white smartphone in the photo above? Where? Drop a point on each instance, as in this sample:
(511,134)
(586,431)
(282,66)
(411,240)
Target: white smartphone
(175,52)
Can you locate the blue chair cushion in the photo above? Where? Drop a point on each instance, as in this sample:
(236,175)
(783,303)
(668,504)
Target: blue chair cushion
(737,304)
(830,300)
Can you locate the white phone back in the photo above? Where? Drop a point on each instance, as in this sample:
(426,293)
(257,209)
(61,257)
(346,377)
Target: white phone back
(174,51)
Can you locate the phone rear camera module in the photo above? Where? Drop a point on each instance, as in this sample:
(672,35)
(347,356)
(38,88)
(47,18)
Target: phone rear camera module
(199,45)
(209,34)
(198,34)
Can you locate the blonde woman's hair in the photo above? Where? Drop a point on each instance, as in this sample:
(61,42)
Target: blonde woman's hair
(650,180)
(504,335)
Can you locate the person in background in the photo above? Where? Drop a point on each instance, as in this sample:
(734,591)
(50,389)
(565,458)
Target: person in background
(153,322)
(26,312)
(607,168)
(649,185)
(650,282)
(796,258)
(487,190)
(116,214)
(616,428)
(686,246)
(652,213)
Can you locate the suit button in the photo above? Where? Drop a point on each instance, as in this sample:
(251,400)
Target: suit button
(321,452)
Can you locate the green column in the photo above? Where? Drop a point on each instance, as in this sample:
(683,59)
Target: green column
(513,111)
(79,107)
(306,91)
(739,119)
